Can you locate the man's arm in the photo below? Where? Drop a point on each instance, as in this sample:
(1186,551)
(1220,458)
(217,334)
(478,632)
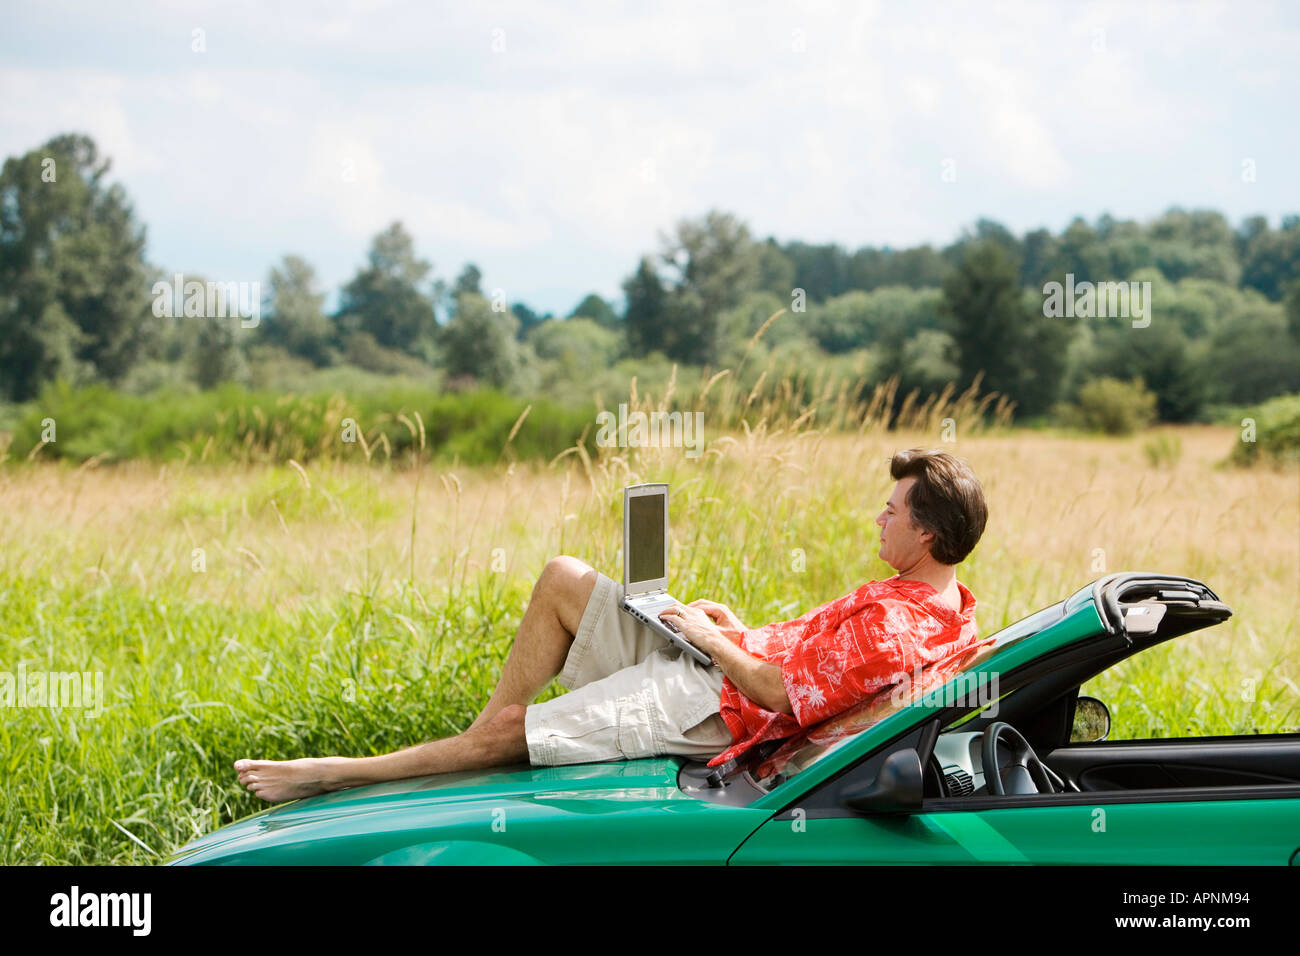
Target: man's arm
(758,680)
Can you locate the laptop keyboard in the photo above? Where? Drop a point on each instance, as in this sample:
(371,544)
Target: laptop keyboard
(653,605)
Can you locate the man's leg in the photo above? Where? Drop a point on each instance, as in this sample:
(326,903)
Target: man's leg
(499,741)
(495,738)
(545,634)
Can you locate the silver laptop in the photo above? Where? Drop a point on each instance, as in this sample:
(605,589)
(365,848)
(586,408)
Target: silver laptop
(645,562)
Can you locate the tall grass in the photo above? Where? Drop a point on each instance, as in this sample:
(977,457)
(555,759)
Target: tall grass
(327,606)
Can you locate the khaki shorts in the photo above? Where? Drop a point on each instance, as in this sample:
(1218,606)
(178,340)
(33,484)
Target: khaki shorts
(633,694)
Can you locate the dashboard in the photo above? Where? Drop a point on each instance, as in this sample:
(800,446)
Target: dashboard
(955,768)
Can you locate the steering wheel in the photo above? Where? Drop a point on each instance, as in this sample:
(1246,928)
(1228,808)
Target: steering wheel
(1023,773)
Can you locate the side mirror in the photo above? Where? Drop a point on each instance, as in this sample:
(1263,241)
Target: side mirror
(1091,721)
(898,788)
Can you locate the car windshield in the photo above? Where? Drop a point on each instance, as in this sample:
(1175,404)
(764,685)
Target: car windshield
(796,754)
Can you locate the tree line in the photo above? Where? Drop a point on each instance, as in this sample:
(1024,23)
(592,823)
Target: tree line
(77,304)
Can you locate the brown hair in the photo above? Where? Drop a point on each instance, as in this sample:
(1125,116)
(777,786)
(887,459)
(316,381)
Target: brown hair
(946,500)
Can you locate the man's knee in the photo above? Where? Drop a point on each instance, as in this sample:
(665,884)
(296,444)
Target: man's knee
(504,738)
(566,582)
(509,718)
(562,572)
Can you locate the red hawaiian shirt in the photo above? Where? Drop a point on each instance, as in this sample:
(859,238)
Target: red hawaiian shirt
(841,653)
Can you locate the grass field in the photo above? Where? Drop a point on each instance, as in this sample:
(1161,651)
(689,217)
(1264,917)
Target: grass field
(278,610)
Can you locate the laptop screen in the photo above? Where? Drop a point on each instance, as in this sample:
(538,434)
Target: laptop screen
(647,558)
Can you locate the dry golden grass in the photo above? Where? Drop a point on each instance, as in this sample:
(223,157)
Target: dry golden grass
(1063,511)
(357,608)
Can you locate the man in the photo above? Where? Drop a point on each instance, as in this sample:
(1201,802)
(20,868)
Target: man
(636,695)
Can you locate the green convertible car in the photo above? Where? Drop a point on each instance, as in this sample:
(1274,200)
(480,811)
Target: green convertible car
(1005,763)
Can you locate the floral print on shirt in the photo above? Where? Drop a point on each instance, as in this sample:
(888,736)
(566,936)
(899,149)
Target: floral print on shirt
(840,654)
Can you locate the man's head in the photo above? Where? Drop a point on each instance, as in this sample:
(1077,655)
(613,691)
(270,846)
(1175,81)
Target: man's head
(936,510)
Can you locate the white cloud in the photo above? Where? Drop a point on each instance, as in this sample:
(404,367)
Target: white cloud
(556,162)
(38,104)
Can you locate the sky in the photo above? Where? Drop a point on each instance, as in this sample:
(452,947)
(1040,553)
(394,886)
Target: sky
(553,144)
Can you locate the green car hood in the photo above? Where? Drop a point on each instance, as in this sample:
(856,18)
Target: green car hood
(621,810)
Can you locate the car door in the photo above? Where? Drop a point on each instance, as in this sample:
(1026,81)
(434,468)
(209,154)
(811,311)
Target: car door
(1208,825)
(1118,828)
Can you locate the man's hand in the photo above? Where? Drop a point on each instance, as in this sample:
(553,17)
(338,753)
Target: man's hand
(758,680)
(694,625)
(721,615)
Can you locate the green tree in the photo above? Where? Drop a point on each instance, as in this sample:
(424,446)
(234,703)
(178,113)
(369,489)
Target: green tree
(1160,355)
(296,320)
(740,324)
(1080,252)
(576,348)
(924,362)
(1200,227)
(919,267)
(821,271)
(1250,227)
(987,230)
(712,263)
(470,280)
(1039,253)
(886,317)
(1291,303)
(75,300)
(1197,306)
(1272,258)
(775,270)
(647,306)
(1178,259)
(387,298)
(218,356)
(480,343)
(528,319)
(998,332)
(842,322)
(1252,356)
(599,311)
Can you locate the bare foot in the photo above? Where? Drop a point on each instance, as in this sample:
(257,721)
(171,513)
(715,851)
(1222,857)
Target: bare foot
(277,780)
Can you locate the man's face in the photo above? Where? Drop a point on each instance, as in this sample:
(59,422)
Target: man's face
(902,543)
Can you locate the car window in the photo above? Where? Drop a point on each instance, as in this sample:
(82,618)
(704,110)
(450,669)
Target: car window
(966,718)
(1197,685)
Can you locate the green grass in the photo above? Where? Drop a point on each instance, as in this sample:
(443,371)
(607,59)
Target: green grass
(354,608)
(189,687)
(1178,689)
(231,424)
